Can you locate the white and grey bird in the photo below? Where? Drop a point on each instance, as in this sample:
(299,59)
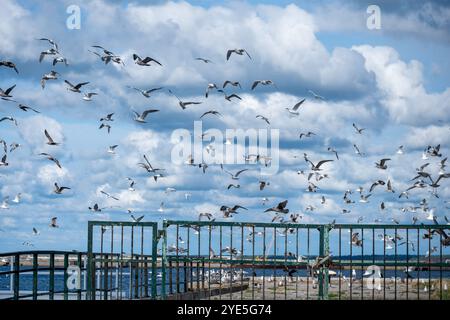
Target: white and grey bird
(60,59)
(358,130)
(88,96)
(75,88)
(13,120)
(51,158)
(9,64)
(210,87)
(146,62)
(26,108)
(17,198)
(263,83)
(238,52)
(294,110)
(59,189)
(53,75)
(232,83)
(111,149)
(315,95)
(107,126)
(204,60)
(382,164)
(357,151)
(183,104)
(263,118)
(146,93)
(109,196)
(50,141)
(6,93)
(235,176)
(140,117)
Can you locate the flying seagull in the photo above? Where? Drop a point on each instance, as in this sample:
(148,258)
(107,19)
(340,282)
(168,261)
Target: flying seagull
(204,60)
(108,195)
(233,83)
(213,112)
(318,165)
(6,93)
(9,119)
(316,96)
(294,109)
(88,96)
(141,117)
(236,175)
(382,164)
(144,62)
(280,208)
(108,117)
(48,52)
(58,189)
(52,42)
(107,126)
(146,93)
(9,64)
(238,52)
(51,158)
(60,59)
(262,82)
(53,223)
(26,108)
(358,130)
(183,104)
(263,118)
(50,141)
(75,88)
(53,75)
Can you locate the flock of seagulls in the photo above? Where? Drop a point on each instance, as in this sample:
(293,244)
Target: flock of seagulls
(314,171)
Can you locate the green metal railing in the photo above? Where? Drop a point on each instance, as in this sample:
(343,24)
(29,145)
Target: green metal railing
(240,260)
(51,265)
(122,274)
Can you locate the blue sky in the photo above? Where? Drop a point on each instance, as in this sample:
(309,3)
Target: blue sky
(394,82)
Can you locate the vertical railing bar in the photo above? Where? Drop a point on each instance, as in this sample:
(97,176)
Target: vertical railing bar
(264,263)
(242,266)
(51,285)
(396,262)
(232,263)
(285,263)
(35,275)
(311,273)
(121,264)
(220,264)
(112,263)
(351,264)
(178,261)
(66,265)
(275,261)
(253,262)
(340,262)
(362,263)
(407,264)
(429,265)
(209,261)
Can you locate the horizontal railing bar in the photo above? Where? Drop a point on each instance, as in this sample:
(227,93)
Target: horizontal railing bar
(303,226)
(123,223)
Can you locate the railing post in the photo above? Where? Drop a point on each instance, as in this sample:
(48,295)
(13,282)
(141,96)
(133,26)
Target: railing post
(16,276)
(90,290)
(324,250)
(164,260)
(35,275)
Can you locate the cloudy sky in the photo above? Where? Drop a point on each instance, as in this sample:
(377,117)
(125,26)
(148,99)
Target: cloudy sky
(394,82)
